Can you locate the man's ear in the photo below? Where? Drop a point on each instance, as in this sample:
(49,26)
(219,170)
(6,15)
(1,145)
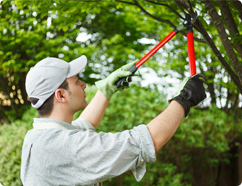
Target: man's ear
(60,95)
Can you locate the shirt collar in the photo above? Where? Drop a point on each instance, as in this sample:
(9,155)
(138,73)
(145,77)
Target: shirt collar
(62,123)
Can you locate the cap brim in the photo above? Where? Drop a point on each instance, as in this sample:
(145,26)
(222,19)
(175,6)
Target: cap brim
(77,66)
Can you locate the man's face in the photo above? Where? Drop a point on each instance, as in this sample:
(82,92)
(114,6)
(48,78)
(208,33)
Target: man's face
(77,96)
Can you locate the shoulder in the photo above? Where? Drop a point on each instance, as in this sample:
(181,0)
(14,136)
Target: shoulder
(82,124)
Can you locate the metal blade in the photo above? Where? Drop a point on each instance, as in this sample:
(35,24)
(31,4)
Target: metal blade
(194,18)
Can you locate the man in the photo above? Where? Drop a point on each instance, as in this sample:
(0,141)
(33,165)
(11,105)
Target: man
(59,151)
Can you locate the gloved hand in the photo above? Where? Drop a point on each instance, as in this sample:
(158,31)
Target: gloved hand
(107,86)
(190,92)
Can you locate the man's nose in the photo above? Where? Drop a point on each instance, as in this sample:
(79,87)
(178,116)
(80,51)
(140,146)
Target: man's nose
(84,85)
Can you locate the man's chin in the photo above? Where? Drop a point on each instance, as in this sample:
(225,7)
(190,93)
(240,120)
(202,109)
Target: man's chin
(84,106)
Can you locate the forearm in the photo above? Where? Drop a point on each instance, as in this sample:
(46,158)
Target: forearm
(165,124)
(95,109)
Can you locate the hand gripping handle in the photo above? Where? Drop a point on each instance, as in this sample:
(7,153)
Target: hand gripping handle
(120,81)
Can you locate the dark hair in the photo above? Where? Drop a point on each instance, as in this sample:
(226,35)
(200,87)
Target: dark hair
(47,107)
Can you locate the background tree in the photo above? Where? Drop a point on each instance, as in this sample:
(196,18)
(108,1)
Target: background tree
(113,32)
(37,29)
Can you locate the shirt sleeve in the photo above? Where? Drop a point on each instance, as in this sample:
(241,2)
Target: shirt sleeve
(147,152)
(100,156)
(82,124)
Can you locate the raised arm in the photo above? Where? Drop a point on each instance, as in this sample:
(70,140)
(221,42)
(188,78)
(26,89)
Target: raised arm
(165,124)
(162,128)
(96,108)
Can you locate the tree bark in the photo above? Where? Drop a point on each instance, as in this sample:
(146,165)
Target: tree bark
(238,6)
(210,42)
(230,24)
(199,27)
(211,88)
(161,20)
(240,163)
(22,88)
(224,38)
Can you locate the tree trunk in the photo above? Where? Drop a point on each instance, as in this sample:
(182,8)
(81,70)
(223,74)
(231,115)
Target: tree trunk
(240,163)
(210,42)
(119,180)
(224,38)
(199,27)
(238,6)
(230,24)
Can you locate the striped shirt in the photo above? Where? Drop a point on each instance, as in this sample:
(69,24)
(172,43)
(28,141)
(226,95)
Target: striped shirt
(81,156)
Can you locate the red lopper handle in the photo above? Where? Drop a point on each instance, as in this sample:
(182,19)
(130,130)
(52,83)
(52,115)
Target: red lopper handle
(191,53)
(155,49)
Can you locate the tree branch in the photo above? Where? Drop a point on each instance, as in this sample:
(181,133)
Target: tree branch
(152,16)
(190,6)
(230,23)
(162,4)
(224,38)
(238,6)
(180,6)
(210,42)
(163,21)
(189,10)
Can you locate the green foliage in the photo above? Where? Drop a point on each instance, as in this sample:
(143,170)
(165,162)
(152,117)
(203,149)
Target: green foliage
(170,178)
(203,139)
(11,140)
(33,30)
(129,108)
(200,143)
(132,107)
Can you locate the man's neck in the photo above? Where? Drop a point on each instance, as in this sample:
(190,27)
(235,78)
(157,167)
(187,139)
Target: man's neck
(62,117)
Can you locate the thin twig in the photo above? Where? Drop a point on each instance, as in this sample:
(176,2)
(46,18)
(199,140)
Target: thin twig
(159,19)
(154,17)
(172,9)
(181,6)
(164,21)
(190,6)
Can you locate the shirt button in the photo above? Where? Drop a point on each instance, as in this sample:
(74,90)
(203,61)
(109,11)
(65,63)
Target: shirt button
(140,176)
(142,160)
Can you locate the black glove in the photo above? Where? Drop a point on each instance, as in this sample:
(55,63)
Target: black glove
(191,92)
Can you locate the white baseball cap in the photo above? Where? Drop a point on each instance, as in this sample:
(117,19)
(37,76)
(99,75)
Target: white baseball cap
(47,75)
